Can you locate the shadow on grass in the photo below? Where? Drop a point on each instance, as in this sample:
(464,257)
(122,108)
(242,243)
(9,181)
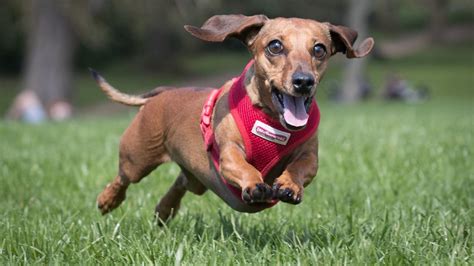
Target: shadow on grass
(260,236)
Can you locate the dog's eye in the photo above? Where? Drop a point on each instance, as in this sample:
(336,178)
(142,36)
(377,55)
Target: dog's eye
(319,51)
(275,47)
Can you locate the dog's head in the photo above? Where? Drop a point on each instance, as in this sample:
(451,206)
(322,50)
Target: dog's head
(291,55)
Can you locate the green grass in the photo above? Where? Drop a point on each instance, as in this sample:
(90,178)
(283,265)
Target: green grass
(395,186)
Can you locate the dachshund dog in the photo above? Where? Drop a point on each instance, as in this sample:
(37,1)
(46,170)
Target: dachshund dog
(254,141)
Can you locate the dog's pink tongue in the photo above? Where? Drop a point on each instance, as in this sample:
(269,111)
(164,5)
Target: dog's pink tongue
(294,111)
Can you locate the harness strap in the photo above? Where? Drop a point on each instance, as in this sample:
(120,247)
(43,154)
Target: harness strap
(206,119)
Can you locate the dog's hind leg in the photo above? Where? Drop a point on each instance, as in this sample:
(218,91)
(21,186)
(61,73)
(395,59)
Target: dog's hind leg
(170,203)
(113,194)
(141,151)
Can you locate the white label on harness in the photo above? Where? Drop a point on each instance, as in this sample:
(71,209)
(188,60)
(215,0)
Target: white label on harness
(269,133)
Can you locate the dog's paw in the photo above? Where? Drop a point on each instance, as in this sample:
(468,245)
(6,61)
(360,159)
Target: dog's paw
(260,192)
(110,198)
(289,193)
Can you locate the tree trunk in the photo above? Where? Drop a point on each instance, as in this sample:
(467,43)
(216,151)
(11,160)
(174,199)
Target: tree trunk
(50,52)
(386,15)
(354,72)
(438,10)
(161,44)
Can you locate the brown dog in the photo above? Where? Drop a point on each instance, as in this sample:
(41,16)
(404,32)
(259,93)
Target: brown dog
(290,56)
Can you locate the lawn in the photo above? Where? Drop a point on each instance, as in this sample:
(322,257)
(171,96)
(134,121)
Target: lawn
(395,186)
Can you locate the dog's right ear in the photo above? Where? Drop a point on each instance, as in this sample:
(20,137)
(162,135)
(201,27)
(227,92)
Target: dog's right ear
(343,39)
(218,28)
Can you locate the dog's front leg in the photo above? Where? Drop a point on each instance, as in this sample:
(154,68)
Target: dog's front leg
(298,174)
(237,171)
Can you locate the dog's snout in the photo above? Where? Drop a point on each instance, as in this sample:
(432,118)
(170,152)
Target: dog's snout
(302,82)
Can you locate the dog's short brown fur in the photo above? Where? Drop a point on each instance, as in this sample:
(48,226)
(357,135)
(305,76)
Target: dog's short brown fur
(166,127)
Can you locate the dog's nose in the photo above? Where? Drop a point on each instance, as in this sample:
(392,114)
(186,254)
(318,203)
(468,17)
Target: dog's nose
(302,82)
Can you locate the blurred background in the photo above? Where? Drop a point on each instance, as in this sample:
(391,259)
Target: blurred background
(424,51)
(396,174)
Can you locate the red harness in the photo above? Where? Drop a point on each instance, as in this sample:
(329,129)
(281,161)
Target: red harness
(266,140)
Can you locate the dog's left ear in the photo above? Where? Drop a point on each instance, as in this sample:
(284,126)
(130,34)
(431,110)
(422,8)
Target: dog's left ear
(343,38)
(218,28)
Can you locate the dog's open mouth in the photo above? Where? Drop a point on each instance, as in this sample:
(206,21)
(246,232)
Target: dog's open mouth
(294,111)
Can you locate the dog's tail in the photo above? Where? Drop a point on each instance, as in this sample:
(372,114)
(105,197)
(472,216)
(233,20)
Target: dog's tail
(118,96)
